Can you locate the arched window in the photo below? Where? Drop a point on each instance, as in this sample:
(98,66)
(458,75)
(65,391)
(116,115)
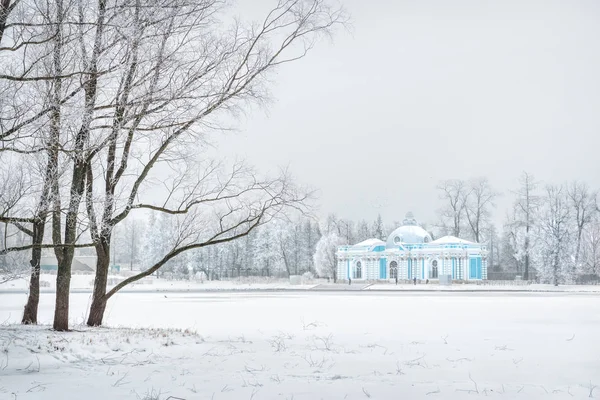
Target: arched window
(434,270)
(393,270)
(358,270)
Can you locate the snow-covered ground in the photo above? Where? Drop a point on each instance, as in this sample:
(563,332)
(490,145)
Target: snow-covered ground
(86,282)
(149,284)
(308,346)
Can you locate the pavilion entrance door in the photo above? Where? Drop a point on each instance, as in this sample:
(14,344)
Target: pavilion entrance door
(433,270)
(393,270)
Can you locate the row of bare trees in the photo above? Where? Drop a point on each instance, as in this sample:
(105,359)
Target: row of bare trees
(283,247)
(554,229)
(551,229)
(109,104)
(467,208)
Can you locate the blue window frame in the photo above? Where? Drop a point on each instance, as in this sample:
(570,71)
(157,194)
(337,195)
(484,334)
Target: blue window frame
(382,268)
(475,268)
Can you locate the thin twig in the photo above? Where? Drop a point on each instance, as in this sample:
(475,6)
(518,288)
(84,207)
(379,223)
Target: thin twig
(119,382)
(366,393)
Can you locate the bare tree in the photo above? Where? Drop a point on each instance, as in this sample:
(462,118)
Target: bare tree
(5,9)
(33,125)
(555,233)
(50,183)
(345,229)
(583,210)
(311,237)
(453,194)
(510,244)
(156,101)
(362,231)
(14,188)
(297,247)
(378,228)
(267,258)
(17,188)
(494,245)
(479,199)
(325,255)
(283,237)
(526,208)
(233,219)
(163,101)
(591,248)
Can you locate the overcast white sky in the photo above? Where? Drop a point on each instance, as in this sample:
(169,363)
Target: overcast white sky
(426,90)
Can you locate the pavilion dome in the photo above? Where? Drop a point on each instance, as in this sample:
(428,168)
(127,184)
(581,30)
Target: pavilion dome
(410,232)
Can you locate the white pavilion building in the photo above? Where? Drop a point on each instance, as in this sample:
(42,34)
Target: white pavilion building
(411,253)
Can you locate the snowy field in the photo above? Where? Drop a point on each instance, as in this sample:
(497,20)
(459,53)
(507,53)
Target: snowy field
(365,345)
(85,283)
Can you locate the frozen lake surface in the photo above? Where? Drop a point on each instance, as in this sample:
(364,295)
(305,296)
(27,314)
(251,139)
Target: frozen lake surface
(309,346)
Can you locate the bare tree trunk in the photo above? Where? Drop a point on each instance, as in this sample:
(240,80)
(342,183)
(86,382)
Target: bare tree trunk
(99,296)
(309,244)
(526,272)
(4,11)
(132,250)
(555,267)
(63,286)
(63,277)
(285,259)
(31,308)
(50,178)
(527,225)
(577,252)
(80,166)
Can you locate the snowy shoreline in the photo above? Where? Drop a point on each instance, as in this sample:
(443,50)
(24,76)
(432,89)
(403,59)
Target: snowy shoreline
(84,284)
(592,290)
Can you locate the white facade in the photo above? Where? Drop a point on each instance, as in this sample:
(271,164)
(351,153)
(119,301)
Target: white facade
(409,253)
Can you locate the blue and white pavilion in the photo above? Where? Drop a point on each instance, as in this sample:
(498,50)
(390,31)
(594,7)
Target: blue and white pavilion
(410,252)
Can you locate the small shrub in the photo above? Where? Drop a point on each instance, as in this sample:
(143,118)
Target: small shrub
(307,277)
